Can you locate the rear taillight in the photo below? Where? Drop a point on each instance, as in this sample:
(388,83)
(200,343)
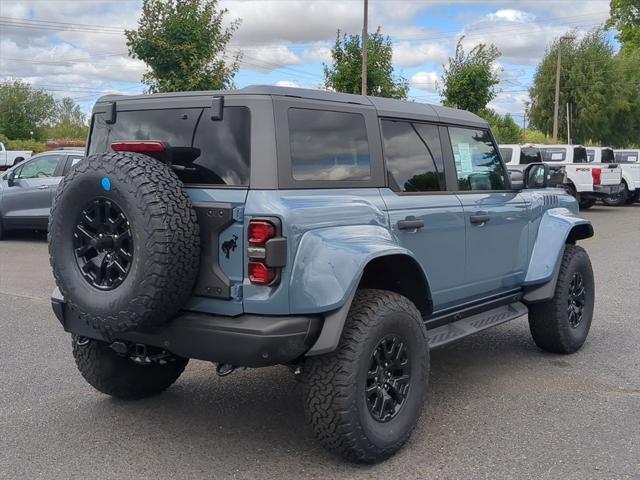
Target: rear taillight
(260,274)
(260,231)
(137,146)
(264,250)
(596,173)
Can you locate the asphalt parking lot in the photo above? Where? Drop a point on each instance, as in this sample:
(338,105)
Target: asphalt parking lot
(497,408)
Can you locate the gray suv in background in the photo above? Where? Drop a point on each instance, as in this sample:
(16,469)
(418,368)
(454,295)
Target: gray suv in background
(27,189)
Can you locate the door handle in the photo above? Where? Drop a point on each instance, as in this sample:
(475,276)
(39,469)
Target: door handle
(480,217)
(42,187)
(410,223)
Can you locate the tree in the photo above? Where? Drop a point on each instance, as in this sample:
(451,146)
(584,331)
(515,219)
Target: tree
(504,127)
(469,79)
(625,17)
(601,102)
(24,110)
(345,73)
(70,122)
(183,43)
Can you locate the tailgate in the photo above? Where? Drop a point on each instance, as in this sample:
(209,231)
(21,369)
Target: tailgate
(611,174)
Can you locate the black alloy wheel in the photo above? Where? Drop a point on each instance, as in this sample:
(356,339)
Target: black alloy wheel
(576,300)
(387,382)
(103,244)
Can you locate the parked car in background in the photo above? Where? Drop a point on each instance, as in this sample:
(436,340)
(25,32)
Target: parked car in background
(27,189)
(9,158)
(629,161)
(569,168)
(587,182)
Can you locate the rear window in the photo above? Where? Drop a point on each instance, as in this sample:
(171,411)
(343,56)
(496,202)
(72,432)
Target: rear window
(530,155)
(224,144)
(607,156)
(327,145)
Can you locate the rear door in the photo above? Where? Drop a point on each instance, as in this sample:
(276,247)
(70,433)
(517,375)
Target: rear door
(496,218)
(28,202)
(426,219)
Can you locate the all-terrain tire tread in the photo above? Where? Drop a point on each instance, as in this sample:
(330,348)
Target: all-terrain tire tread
(328,378)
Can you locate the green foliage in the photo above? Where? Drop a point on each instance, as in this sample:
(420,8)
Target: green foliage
(33,145)
(535,136)
(183,43)
(604,104)
(24,109)
(504,127)
(345,74)
(71,122)
(469,79)
(625,17)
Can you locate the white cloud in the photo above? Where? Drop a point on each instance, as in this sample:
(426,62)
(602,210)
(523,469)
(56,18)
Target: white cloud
(407,54)
(427,81)
(288,83)
(268,58)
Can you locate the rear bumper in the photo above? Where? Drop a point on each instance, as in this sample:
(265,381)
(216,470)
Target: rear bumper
(246,340)
(603,191)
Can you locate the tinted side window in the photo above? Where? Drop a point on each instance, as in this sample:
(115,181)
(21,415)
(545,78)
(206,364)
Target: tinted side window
(627,157)
(410,162)
(506,154)
(328,145)
(553,154)
(607,156)
(477,161)
(430,135)
(42,167)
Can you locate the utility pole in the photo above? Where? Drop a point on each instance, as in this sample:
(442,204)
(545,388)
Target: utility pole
(365,38)
(556,105)
(568,125)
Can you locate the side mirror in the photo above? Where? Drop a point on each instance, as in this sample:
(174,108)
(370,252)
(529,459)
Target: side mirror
(11,179)
(536,175)
(517,179)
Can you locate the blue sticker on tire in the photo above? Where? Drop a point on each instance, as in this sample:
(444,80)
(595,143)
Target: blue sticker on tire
(106,183)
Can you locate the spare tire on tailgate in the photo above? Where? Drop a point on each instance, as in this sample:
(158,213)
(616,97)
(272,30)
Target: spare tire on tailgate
(124,242)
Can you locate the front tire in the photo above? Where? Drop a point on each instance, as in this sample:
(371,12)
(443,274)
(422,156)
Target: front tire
(561,325)
(118,376)
(364,399)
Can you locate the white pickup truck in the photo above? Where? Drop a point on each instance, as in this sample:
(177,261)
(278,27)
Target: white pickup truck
(8,158)
(587,182)
(629,161)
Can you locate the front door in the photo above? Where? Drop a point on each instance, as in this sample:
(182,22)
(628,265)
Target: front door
(496,218)
(27,203)
(425,218)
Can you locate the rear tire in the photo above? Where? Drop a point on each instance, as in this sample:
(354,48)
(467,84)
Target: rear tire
(586,204)
(617,200)
(362,404)
(119,376)
(561,324)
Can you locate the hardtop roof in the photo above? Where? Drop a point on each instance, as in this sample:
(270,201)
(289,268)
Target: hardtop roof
(386,107)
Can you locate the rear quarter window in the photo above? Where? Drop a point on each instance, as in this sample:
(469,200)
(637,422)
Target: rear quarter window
(328,146)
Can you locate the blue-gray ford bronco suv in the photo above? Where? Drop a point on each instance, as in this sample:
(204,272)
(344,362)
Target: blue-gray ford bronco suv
(342,236)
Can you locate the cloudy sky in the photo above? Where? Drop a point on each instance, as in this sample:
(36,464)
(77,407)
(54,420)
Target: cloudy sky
(77,48)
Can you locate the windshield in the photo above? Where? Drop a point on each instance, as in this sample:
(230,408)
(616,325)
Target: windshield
(223,145)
